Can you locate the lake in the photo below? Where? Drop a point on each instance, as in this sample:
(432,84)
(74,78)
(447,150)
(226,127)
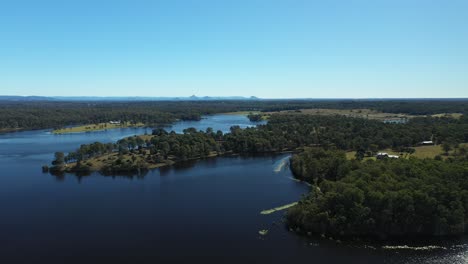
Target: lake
(207,210)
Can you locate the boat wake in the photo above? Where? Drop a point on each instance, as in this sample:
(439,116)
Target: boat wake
(281,164)
(405,247)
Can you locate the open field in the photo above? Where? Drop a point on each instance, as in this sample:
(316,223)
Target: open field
(242,113)
(421,152)
(361,113)
(95,127)
(452,115)
(246,113)
(357,113)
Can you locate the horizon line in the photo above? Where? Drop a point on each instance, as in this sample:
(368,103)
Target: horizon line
(239,97)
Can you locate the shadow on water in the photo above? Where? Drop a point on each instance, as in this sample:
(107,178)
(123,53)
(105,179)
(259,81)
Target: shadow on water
(180,166)
(141,174)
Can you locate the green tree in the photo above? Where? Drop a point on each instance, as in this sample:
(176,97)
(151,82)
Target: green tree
(59,159)
(446,146)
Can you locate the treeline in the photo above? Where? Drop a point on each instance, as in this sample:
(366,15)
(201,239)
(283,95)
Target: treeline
(405,106)
(191,144)
(390,198)
(39,115)
(255,117)
(290,132)
(57,115)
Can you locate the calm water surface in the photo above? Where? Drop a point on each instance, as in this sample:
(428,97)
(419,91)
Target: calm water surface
(207,210)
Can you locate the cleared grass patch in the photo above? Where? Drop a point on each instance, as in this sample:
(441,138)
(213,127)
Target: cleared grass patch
(421,152)
(452,115)
(360,113)
(243,113)
(95,127)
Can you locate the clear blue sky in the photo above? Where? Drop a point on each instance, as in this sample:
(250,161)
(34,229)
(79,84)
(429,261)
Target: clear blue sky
(265,48)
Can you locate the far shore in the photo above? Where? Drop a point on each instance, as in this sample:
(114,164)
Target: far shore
(96,127)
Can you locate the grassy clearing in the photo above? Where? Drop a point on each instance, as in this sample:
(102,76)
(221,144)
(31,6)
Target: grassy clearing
(284,207)
(452,115)
(145,137)
(95,127)
(98,163)
(265,116)
(421,152)
(361,113)
(243,113)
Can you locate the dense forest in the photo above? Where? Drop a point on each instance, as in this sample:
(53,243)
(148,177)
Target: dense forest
(46,114)
(390,198)
(291,131)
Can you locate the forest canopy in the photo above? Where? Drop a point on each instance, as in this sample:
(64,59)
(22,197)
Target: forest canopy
(56,114)
(389,198)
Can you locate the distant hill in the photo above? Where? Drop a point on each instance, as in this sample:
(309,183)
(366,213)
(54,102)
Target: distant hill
(14,98)
(25,98)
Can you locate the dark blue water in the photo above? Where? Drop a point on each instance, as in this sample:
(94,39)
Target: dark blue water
(199,211)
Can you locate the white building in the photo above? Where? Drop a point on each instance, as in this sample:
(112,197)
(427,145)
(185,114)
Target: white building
(429,142)
(382,155)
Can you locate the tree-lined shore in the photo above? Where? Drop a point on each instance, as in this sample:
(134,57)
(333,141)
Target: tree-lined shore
(351,197)
(283,132)
(382,199)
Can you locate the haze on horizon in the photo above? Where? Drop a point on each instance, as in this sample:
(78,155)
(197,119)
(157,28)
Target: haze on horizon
(268,49)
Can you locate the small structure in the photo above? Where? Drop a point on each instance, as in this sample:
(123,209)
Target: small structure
(114,122)
(428,142)
(396,120)
(383,155)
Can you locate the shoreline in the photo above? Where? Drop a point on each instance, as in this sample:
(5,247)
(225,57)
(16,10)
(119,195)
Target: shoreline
(71,167)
